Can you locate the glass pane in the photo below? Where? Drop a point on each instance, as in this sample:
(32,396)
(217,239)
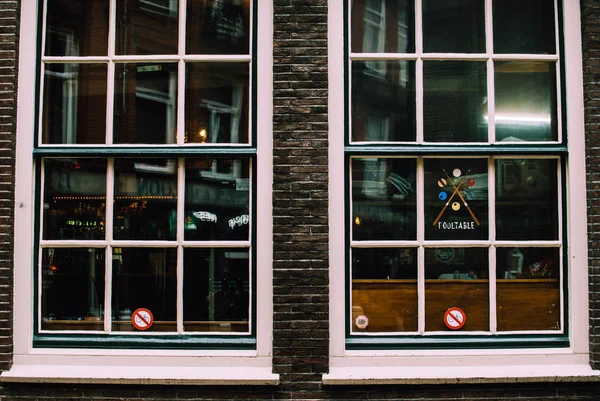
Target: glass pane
(74,104)
(216,295)
(145,107)
(383,101)
(526,105)
(147,27)
(216,96)
(218,27)
(77,28)
(217,199)
(528,289)
(145,199)
(384,290)
(526,199)
(454,26)
(456,199)
(72,289)
(384,199)
(380,26)
(144,278)
(74,199)
(457,278)
(455,93)
(524,26)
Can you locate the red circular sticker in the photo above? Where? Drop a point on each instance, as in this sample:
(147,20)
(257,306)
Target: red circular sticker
(142,319)
(361,321)
(455,318)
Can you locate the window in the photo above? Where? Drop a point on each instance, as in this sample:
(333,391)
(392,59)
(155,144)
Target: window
(144,221)
(458,228)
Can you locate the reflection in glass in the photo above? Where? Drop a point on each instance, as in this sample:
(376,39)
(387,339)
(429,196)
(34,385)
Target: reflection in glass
(218,27)
(526,105)
(524,27)
(147,27)
(454,26)
(217,201)
(383,101)
(457,277)
(216,98)
(384,199)
(76,28)
(456,199)
(380,26)
(384,289)
(455,93)
(216,286)
(144,278)
(72,289)
(74,199)
(145,106)
(74,104)
(528,289)
(526,199)
(145,204)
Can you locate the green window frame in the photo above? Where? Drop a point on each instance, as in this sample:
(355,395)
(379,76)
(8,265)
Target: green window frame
(434,101)
(208,154)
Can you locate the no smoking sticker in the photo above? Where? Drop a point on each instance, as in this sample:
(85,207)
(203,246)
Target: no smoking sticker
(142,319)
(361,321)
(455,318)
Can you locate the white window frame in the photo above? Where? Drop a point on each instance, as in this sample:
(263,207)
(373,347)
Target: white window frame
(462,365)
(130,366)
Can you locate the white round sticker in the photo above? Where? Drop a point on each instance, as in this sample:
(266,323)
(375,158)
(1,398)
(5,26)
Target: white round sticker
(361,321)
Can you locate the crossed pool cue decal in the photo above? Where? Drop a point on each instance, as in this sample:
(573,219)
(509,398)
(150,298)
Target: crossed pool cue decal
(456,192)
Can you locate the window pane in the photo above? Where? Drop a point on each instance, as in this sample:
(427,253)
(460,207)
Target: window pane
(74,199)
(526,105)
(383,26)
(145,106)
(454,26)
(147,26)
(145,199)
(216,98)
(217,200)
(383,101)
(456,199)
(144,278)
(457,277)
(74,104)
(384,289)
(216,290)
(384,199)
(77,28)
(454,96)
(72,289)
(526,199)
(218,27)
(524,26)
(528,289)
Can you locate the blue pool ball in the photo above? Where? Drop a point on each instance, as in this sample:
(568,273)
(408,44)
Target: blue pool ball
(443,196)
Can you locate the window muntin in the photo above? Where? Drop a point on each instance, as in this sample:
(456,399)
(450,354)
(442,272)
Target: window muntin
(500,238)
(124,229)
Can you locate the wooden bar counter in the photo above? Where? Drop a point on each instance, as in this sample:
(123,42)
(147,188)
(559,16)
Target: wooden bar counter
(391,305)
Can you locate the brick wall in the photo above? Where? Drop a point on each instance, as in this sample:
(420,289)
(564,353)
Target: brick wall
(300,232)
(9,27)
(590,14)
(300,196)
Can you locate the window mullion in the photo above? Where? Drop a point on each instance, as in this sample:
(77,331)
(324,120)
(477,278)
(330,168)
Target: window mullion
(108,232)
(492,249)
(421,250)
(180,239)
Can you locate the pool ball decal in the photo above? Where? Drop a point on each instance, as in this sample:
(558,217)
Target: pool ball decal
(455,205)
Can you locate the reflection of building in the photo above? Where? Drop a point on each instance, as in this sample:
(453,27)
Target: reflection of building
(233,216)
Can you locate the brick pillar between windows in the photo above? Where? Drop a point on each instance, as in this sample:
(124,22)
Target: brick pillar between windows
(300,213)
